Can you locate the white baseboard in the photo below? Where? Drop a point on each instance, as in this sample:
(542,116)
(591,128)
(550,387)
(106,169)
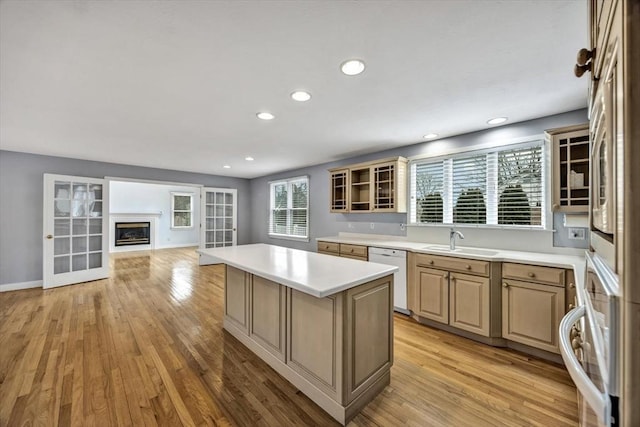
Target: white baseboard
(179,245)
(21,285)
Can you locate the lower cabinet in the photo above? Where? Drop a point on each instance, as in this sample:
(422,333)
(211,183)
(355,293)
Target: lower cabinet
(469,306)
(460,300)
(531,313)
(432,294)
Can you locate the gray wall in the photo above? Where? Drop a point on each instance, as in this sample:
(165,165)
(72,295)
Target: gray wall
(323,223)
(21,193)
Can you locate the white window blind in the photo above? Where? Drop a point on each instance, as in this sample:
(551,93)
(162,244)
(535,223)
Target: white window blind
(503,186)
(289,213)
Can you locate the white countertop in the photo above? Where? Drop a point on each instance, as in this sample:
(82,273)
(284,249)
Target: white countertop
(574,262)
(315,274)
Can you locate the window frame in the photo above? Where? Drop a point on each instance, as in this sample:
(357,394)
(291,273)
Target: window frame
(174,210)
(289,209)
(490,196)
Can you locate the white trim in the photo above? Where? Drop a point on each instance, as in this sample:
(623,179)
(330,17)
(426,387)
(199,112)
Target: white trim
(7,287)
(179,245)
(174,211)
(295,178)
(151,181)
(152,218)
(469,149)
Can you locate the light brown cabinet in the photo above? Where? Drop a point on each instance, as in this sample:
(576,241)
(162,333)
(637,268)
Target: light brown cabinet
(339,188)
(533,303)
(345,250)
(571,172)
(439,291)
(378,186)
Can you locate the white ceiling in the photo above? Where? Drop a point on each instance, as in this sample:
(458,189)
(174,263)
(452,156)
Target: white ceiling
(177,84)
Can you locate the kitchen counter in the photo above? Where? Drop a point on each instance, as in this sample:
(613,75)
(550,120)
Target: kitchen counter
(315,274)
(323,323)
(574,262)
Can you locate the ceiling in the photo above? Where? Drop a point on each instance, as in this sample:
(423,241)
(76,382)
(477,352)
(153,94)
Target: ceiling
(177,84)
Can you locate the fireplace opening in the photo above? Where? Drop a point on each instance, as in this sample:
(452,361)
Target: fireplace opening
(132,233)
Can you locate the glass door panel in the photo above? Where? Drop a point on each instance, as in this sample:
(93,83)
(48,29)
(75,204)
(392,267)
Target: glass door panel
(75,232)
(218,218)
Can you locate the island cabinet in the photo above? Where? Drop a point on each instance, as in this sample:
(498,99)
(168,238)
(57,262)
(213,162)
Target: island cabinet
(378,186)
(533,303)
(330,336)
(454,291)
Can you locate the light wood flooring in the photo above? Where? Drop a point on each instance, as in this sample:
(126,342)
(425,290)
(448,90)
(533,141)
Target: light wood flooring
(146,347)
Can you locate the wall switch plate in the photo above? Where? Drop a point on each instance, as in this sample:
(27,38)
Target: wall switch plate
(402,226)
(372,225)
(577,233)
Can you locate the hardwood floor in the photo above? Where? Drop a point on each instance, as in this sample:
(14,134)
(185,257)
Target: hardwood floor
(146,347)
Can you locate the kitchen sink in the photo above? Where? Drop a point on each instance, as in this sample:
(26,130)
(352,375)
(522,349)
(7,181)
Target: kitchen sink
(463,251)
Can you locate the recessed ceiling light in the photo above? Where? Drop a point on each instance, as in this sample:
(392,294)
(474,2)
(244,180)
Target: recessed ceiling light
(249,159)
(496,121)
(265,116)
(352,67)
(227,167)
(430,136)
(301,96)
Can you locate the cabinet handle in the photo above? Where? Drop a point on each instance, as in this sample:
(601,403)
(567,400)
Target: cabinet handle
(468,267)
(532,275)
(574,333)
(430,262)
(584,55)
(49,236)
(579,70)
(505,285)
(351,250)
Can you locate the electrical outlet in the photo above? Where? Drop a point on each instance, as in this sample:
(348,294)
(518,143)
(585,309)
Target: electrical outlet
(402,226)
(576,233)
(349,225)
(372,225)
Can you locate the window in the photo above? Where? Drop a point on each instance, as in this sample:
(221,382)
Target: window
(502,186)
(181,210)
(289,213)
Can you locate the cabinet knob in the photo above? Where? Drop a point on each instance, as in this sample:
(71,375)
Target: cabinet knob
(532,275)
(574,333)
(572,306)
(468,267)
(446,276)
(49,236)
(505,285)
(572,286)
(583,56)
(351,251)
(579,70)
(576,344)
(430,262)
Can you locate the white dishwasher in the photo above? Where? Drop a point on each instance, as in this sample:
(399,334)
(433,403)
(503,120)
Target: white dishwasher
(397,259)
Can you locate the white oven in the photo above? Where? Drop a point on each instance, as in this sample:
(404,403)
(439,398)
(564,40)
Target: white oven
(589,344)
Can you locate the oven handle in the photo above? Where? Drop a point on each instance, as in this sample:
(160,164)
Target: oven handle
(598,401)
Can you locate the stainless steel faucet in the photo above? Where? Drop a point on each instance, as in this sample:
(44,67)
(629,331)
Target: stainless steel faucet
(452,238)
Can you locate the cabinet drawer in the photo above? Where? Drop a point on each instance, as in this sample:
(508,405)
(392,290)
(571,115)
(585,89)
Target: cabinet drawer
(533,273)
(450,263)
(353,250)
(329,247)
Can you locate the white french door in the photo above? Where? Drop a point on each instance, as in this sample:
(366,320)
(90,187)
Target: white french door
(75,230)
(218,219)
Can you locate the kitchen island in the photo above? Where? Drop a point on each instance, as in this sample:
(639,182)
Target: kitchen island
(323,323)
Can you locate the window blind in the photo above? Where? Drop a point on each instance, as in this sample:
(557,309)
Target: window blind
(502,186)
(289,215)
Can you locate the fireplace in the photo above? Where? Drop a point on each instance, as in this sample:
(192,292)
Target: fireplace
(132,233)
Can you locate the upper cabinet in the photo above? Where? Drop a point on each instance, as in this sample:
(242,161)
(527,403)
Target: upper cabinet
(570,147)
(378,186)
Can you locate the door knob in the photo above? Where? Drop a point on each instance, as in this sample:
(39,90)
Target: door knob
(579,70)
(584,55)
(49,236)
